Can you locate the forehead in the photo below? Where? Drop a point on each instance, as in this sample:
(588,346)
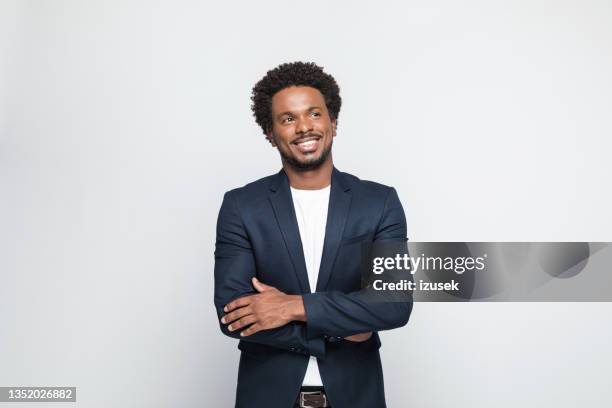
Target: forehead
(296,98)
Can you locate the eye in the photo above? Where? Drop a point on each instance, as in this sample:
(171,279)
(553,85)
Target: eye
(287,119)
(315,114)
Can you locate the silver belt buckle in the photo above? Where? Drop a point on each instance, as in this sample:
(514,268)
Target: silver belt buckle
(302,399)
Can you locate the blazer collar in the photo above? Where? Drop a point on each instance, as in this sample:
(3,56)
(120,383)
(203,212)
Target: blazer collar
(339,203)
(280,180)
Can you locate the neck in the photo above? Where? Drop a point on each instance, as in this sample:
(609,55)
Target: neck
(315,179)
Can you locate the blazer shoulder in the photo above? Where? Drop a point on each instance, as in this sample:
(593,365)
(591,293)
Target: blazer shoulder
(367,186)
(252,191)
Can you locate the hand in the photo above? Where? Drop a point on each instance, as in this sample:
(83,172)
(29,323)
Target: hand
(359,337)
(268,309)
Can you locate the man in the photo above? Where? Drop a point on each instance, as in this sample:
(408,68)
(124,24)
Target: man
(288,253)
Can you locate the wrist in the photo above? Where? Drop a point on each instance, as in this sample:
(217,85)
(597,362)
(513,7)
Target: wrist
(298,312)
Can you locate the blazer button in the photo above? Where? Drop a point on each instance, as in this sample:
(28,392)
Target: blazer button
(291,348)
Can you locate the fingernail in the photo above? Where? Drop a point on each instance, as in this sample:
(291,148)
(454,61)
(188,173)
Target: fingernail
(241,334)
(223,320)
(229,328)
(225,309)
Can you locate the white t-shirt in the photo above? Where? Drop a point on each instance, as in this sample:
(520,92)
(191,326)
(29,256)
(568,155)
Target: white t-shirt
(311,212)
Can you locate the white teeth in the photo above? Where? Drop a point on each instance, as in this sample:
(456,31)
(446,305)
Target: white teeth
(307,141)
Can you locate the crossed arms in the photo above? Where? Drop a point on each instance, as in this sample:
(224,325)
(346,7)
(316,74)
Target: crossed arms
(255,312)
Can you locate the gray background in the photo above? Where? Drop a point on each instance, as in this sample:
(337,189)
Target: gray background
(123,122)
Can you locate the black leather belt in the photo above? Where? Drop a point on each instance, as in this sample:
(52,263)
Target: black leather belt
(312,397)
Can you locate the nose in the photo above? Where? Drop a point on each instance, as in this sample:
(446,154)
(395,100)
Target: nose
(303,125)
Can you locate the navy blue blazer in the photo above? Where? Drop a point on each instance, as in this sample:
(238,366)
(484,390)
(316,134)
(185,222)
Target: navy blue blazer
(258,235)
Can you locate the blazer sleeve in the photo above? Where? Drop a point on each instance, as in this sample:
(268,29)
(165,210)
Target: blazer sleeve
(234,268)
(338,314)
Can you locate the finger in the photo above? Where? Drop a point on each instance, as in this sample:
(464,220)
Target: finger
(359,337)
(241,302)
(254,328)
(261,287)
(236,314)
(245,321)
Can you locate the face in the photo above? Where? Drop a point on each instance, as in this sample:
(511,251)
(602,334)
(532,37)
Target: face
(302,129)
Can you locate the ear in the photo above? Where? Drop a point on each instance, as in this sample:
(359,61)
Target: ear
(270,137)
(334,125)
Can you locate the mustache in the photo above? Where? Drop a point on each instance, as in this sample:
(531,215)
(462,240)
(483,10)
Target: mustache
(307,135)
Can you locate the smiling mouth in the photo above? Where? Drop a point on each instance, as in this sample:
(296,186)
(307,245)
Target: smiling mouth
(307,144)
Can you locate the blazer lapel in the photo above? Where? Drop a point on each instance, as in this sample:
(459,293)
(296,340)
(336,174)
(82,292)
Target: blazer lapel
(339,203)
(282,204)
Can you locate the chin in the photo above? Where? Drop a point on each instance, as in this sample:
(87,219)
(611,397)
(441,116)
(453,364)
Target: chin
(304,162)
(310,158)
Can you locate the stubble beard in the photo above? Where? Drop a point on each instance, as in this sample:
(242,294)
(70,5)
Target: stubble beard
(309,164)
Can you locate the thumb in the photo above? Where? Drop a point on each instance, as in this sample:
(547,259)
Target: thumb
(260,287)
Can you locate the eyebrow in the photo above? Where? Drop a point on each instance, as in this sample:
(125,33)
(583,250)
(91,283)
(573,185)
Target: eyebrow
(291,113)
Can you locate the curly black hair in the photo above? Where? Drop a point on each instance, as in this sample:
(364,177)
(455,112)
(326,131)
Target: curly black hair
(292,74)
